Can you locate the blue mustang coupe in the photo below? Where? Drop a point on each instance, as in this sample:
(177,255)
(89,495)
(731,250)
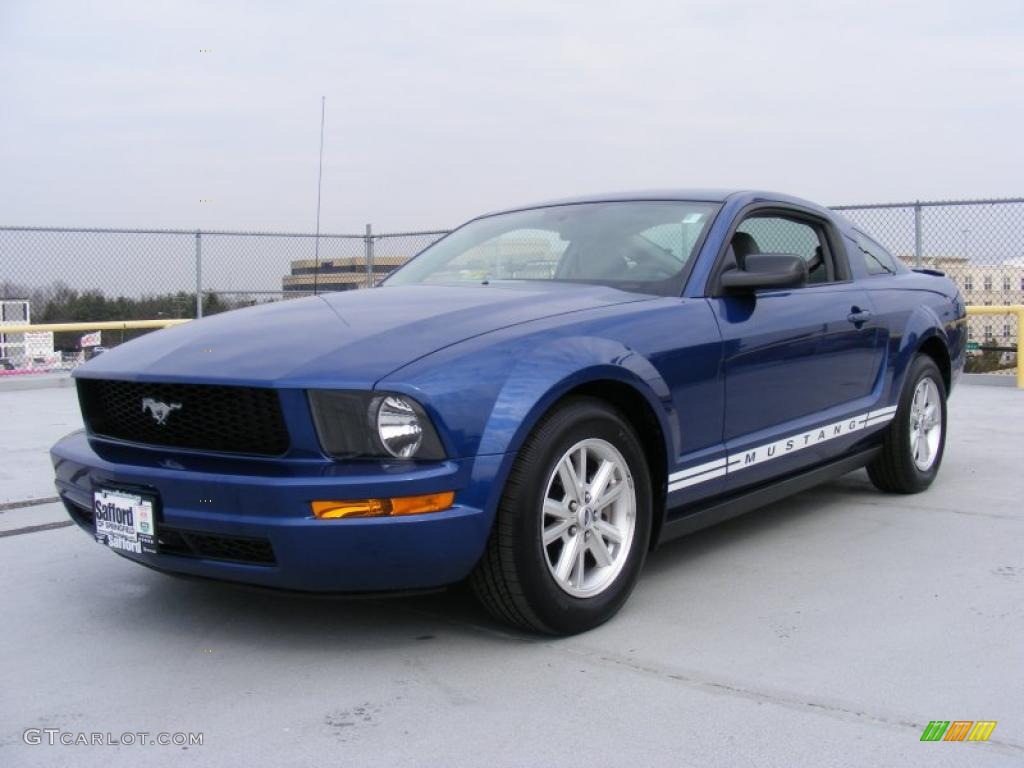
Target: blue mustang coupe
(533,403)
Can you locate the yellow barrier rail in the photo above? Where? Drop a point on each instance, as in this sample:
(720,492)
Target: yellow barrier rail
(1008,309)
(105,325)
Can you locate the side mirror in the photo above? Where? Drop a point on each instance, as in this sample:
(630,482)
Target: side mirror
(766,270)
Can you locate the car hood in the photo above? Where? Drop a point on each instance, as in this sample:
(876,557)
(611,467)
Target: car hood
(349,339)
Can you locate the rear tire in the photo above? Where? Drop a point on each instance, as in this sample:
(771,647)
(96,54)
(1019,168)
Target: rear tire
(573,525)
(913,448)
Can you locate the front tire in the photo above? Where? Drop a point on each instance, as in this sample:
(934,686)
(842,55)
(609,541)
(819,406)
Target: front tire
(573,524)
(913,448)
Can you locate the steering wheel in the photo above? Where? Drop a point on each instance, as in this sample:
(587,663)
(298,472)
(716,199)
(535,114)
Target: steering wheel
(647,264)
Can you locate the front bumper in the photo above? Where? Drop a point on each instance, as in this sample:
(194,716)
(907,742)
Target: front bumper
(250,521)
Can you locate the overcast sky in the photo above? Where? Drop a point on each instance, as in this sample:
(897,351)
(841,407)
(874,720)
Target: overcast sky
(111,115)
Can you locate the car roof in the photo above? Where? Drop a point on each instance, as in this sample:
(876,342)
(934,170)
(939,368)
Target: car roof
(709,195)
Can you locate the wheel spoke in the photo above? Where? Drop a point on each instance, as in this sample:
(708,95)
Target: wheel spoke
(557,509)
(581,562)
(915,406)
(602,477)
(609,496)
(600,550)
(608,531)
(924,448)
(567,559)
(567,472)
(554,532)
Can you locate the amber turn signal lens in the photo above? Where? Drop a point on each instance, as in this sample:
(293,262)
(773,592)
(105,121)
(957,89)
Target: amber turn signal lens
(403,505)
(327,510)
(415,505)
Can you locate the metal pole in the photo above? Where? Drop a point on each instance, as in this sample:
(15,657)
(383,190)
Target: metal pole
(319,181)
(917,234)
(199,274)
(369,256)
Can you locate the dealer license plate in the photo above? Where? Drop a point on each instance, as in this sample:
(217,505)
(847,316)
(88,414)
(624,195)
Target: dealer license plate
(125,521)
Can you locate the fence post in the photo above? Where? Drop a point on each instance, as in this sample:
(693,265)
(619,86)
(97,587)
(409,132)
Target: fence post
(917,234)
(199,274)
(369,255)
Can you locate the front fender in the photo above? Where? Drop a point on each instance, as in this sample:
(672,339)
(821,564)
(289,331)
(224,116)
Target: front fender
(486,395)
(557,367)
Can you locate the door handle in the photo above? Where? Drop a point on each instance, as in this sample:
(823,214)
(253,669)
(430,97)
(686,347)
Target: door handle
(858,316)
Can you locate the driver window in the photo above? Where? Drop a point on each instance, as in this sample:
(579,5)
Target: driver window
(778,234)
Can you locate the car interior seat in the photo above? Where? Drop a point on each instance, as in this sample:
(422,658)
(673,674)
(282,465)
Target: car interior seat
(817,270)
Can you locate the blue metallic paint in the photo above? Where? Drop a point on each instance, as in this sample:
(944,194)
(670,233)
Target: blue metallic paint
(719,375)
(272,501)
(348,340)
(778,345)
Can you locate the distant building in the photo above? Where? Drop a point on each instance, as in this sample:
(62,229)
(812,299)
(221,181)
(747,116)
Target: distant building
(14,346)
(337,274)
(986,285)
(511,258)
(23,350)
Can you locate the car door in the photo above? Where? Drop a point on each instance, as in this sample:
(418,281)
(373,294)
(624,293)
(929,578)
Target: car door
(794,359)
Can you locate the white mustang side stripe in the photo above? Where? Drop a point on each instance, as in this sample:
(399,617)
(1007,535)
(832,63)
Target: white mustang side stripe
(697,474)
(734,462)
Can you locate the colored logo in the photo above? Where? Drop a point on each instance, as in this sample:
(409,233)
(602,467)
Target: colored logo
(958,730)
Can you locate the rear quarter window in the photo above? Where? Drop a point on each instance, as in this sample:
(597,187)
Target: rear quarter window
(877,260)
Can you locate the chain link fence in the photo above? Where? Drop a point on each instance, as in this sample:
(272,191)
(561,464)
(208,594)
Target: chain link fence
(62,274)
(56,274)
(977,243)
(39,263)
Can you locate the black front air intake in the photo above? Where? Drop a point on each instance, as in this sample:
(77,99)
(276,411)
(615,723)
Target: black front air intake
(215,546)
(245,420)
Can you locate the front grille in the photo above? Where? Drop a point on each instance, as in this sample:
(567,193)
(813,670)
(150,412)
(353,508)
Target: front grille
(198,416)
(211,546)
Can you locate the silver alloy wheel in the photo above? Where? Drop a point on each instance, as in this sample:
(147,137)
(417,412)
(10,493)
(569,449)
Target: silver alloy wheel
(589,517)
(925,424)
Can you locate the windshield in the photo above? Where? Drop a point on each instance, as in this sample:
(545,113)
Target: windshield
(640,246)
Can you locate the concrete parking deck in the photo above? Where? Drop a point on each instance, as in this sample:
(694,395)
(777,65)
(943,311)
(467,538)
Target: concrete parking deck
(826,630)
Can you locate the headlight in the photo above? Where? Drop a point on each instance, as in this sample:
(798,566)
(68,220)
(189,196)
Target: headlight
(399,427)
(373,425)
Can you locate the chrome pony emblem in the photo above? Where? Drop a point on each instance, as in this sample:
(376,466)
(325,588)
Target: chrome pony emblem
(158,410)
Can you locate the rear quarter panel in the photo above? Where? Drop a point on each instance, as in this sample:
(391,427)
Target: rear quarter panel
(912,308)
